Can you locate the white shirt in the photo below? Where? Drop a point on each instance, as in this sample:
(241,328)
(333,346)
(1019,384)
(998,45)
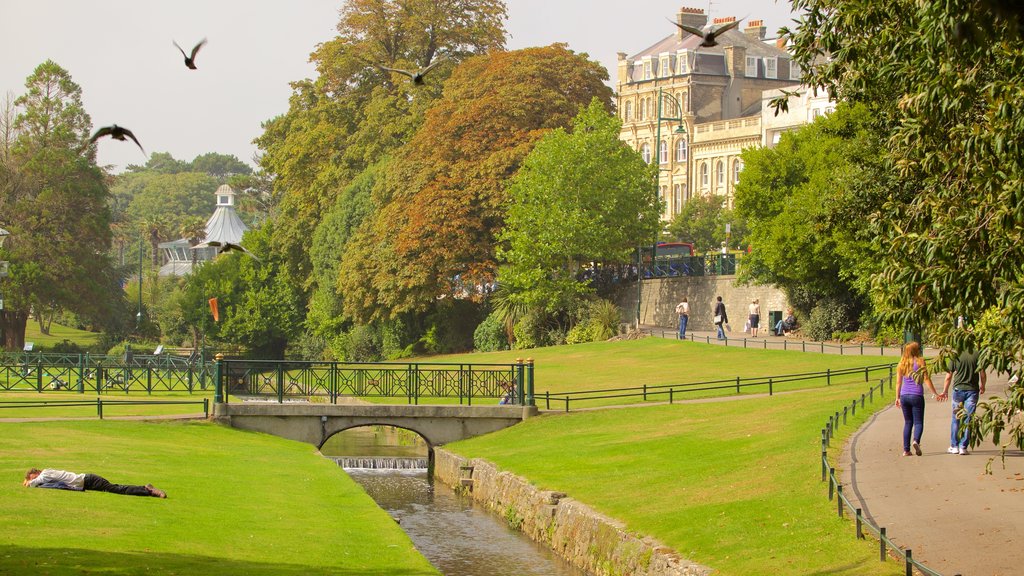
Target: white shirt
(755,309)
(683,308)
(51,475)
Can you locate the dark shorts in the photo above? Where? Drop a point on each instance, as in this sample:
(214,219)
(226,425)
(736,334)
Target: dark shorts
(755,319)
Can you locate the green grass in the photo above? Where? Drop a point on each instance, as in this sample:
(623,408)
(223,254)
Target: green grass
(238,503)
(732,485)
(9,408)
(57,334)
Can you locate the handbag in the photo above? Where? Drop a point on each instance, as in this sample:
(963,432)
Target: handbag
(718,318)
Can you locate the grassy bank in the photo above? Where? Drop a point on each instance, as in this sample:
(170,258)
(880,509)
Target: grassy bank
(734,485)
(239,503)
(57,335)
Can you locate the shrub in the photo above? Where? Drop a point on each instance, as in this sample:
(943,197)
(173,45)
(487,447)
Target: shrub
(67,347)
(361,344)
(827,318)
(489,335)
(605,317)
(580,333)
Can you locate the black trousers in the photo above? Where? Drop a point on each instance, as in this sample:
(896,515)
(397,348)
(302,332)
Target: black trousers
(101,484)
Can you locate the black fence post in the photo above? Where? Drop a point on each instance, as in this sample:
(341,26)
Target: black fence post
(824,461)
(99,407)
(645,392)
(860,525)
(910,562)
(771,392)
(839,499)
(530,399)
(831,483)
(280,383)
(828,377)
(737,384)
(218,379)
(881,545)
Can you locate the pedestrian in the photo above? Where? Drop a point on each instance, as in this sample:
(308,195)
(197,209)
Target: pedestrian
(968,385)
(755,317)
(721,318)
(683,310)
(51,478)
(911,376)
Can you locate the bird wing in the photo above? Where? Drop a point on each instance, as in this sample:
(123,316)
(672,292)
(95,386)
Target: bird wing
(690,29)
(105,131)
(432,64)
(179,48)
(229,246)
(195,50)
(129,134)
(726,28)
(406,72)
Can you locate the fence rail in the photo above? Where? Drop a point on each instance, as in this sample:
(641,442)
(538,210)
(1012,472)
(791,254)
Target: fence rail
(82,373)
(670,392)
(843,503)
(786,343)
(706,265)
(509,383)
(99,402)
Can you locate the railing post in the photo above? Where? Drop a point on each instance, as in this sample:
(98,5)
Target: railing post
(831,483)
(526,396)
(828,376)
(520,370)
(824,462)
(149,378)
(99,407)
(881,545)
(280,383)
(645,392)
(39,374)
(839,499)
(670,391)
(770,387)
(803,346)
(910,562)
(866,377)
(547,400)
(218,379)
(860,525)
(823,347)
(737,385)
(81,372)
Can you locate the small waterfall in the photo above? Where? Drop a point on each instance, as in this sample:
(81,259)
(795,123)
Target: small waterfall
(381,462)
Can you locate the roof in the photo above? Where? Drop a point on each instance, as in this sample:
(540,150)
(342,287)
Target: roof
(225,226)
(710,60)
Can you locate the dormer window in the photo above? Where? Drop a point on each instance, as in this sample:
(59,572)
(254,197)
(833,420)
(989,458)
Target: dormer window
(771,67)
(224,200)
(751,67)
(795,73)
(683,62)
(647,69)
(666,70)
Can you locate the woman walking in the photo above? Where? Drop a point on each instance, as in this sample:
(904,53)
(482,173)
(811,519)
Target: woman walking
(911,375)
(721,318)
(755,317)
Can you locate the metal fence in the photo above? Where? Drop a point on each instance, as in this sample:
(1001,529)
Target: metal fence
(786,343)
(100,402)
(707,265)
(40,372)
(843,504)
(738,385)
(283,380)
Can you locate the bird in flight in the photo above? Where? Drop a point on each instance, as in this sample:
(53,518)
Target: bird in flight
(117,133)
(223,247)
(190,59)
(709,34)
(417,77)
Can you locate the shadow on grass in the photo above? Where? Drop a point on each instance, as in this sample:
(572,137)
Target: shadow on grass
(66,561)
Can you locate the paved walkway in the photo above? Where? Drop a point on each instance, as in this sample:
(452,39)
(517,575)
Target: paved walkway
(769,342)
(955,518)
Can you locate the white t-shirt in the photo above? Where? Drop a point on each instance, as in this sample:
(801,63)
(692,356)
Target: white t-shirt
(755,309)
(51,475)
(683,308)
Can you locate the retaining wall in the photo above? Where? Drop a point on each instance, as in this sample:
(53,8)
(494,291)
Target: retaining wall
(588,539)
(659,298)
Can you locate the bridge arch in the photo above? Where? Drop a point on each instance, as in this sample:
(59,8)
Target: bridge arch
(426,441)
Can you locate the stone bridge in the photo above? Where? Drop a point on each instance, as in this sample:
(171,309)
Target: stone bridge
(315,423)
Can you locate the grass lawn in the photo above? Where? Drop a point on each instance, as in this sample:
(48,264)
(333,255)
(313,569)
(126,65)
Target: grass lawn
(10,407)
(238,503)
(733,485)
(57,334)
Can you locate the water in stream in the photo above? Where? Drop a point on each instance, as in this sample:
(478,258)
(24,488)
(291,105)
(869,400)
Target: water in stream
(459,537)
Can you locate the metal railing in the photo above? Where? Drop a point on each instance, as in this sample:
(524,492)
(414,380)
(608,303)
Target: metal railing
(707,265)
(671,392)
(82,373)
(281,380)
(835,488)
(100,402)
(786,343)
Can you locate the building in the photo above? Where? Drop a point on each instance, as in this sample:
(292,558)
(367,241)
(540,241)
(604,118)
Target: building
(714,94)
(223,226)
(804,108)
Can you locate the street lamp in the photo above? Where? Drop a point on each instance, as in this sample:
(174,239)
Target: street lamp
(3,263)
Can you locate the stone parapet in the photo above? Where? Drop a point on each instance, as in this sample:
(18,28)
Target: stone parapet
(586,538)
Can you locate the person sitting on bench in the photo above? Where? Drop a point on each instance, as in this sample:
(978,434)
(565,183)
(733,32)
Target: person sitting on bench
(788,324)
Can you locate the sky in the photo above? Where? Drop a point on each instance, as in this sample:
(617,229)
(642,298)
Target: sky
(120,53)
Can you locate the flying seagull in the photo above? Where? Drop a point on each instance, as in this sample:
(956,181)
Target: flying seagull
(708,34)
(223,247)
(417,77)
(117,133)
(190,59)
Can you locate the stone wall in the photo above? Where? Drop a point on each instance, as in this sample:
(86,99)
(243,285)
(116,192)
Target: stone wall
(659,298)
(590,540)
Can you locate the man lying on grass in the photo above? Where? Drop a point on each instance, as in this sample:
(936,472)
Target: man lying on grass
(61,479)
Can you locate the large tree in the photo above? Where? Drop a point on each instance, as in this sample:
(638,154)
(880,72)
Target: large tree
(57,210)
(702,221)
(442,199)
(582,197)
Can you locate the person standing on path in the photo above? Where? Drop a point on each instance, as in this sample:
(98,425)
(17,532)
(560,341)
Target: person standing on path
(755,317)
(721,318)
(911,375)
(51,478)
(683,310)
(968,385)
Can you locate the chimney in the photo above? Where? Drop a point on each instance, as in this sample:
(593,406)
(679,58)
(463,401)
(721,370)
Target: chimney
(624,65)
(756,29)
(692,17)
(780,43)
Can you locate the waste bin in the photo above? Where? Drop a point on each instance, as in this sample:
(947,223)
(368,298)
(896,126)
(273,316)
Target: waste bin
(774,317)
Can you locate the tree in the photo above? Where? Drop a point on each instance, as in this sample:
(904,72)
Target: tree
(581,198)
(442,200)
(57,211)
(944,80)
(702,221)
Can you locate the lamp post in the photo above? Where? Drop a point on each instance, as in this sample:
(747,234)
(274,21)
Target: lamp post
(3,263)
(138,315)
(681,130)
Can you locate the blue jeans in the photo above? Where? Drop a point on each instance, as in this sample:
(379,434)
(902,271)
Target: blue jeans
(960,437)
(721,331)
(913,418)
(682,326)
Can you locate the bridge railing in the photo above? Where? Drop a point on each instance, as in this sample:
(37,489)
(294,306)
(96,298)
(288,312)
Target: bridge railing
(308,380)
(103,374)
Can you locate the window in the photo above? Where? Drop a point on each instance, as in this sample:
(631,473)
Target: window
(704,175)
(686,194)
(737,167)
(645,152)
(628,114)
(641,110)
(751,67)
(223,200)
(663,153)
(677,198)
(813,114)
(795,73)
(647,69)
(683,62)
(771,67)
(681,150)
(720,173)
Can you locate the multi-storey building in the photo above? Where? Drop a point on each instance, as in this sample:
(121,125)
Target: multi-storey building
(714,94)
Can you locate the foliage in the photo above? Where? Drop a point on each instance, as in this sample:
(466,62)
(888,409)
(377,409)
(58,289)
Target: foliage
(702,221)
(581,198)
(443,198)
(944,78)
(828,317)
(489,335)
(601,322)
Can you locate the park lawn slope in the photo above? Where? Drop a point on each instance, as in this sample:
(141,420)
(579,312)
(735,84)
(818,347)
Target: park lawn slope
(57,335)
(734,485)
(238,503)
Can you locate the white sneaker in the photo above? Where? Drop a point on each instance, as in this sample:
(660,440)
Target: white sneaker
(963,452)
(953,450)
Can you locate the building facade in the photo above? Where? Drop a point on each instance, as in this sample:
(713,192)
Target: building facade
(693,109)
(224,226)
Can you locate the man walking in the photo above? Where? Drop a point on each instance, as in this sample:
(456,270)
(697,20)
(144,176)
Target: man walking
(968,385)
(721,318)
(683,310)
(51,478)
